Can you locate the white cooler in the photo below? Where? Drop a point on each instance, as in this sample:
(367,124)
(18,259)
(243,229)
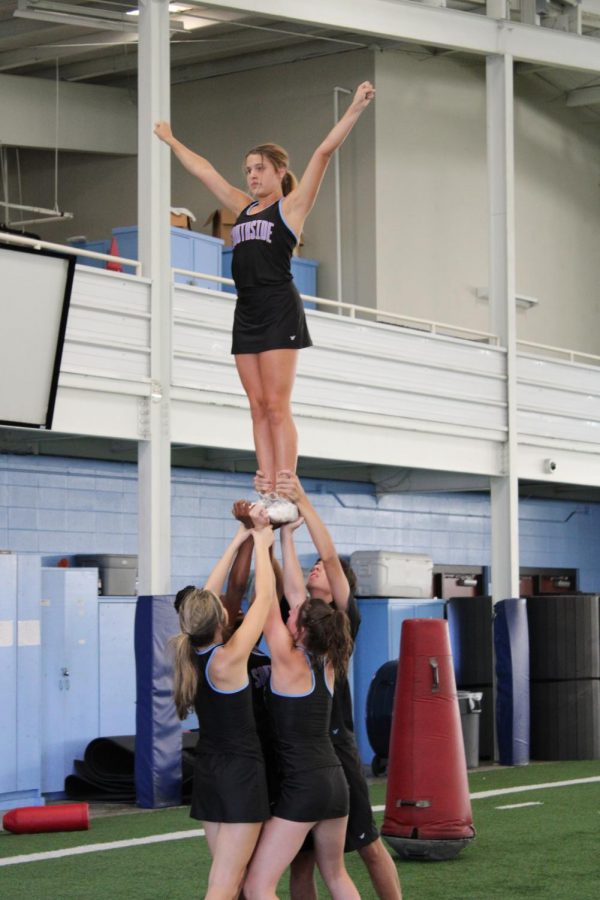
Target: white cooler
(385,573)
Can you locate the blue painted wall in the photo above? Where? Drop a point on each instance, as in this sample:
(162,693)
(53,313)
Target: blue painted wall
(52,507)
(58,507)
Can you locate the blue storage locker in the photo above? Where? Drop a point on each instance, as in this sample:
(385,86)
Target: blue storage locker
(379,641)
(116,617)
(304,272)
(69,670)
(20,681)
(95,247)
(189,250)
(8,672)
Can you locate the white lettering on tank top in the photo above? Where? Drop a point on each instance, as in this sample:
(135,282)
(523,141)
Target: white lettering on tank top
(259,230)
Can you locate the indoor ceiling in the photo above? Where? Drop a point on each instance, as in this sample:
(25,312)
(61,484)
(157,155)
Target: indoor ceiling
(95,41)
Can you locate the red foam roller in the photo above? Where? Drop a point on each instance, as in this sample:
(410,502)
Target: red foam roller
(427,790)
(35,819)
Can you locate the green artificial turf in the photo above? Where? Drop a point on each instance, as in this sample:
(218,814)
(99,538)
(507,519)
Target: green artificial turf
(550,850)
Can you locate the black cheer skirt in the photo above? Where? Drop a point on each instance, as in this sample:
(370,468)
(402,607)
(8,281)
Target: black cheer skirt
(269,318)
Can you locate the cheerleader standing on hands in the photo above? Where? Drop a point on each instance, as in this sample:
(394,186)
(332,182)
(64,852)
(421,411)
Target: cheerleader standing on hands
(269,324)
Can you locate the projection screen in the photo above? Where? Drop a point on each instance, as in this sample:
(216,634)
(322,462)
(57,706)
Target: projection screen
(35,290)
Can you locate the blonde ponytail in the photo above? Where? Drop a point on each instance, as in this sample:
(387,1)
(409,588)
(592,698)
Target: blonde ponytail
(185,675)
(201,613)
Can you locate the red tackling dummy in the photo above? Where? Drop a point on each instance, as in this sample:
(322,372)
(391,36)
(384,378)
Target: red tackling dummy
(34,819)
(428,810)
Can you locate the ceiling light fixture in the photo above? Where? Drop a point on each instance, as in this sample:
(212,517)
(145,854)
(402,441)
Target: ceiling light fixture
(520,299)
(71,14)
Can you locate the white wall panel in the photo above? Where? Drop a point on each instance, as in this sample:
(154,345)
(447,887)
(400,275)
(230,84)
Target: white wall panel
(110,289)
(559,401)
(558,373)
(90,406)
(116,361)
(108,330)
(366,392)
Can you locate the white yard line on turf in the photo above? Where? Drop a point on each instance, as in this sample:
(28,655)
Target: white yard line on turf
(199,832)
(520,805)
(109,845)
(481,795)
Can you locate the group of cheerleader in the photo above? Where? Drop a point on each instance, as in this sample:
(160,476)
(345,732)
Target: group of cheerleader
(278,781)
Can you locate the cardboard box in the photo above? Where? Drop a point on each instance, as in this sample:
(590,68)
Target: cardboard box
(180,221)
(221,222)
(182,217)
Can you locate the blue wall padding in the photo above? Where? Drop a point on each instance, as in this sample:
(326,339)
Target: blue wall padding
(511,642)
(158,730)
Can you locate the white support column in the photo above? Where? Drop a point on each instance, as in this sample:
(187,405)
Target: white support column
(497,9)
(154,192)
(500,144)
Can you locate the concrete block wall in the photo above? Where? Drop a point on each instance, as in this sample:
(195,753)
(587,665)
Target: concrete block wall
(58,506)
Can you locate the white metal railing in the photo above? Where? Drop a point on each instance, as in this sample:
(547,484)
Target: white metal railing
(218,279)
(350,309)
(572,356)
(70,251)
(380,315)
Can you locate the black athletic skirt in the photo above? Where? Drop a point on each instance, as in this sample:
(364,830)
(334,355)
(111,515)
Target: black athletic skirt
(269,318)
(313,795)
(229,788)
(362,829)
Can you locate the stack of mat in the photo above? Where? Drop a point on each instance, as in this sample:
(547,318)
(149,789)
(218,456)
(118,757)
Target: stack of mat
(107,770)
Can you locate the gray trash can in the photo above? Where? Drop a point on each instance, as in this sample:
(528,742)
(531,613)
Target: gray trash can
(469,704)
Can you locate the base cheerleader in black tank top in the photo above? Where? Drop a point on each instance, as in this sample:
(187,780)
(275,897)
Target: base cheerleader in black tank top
(332,580)
(269,325)
(211,676)
(305,656)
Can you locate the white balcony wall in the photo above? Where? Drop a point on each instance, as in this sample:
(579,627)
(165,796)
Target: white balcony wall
(559,419)
(105,370)
(367,392)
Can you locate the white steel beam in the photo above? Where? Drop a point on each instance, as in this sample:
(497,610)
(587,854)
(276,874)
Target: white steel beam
(409,21)
(154,192)
(585,96)
(59,48)
(500,151)
(36,112)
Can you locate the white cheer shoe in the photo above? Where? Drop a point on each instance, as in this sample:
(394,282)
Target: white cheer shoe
(279,509)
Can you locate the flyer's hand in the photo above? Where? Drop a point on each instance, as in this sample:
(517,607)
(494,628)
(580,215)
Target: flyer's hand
(365,92)
(163,131)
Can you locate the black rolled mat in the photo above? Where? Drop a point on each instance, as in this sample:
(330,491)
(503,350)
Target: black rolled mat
(107,771)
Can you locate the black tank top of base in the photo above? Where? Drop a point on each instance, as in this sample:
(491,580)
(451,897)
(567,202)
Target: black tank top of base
(301,725)
(226,718)
(263,244)
(342,723)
